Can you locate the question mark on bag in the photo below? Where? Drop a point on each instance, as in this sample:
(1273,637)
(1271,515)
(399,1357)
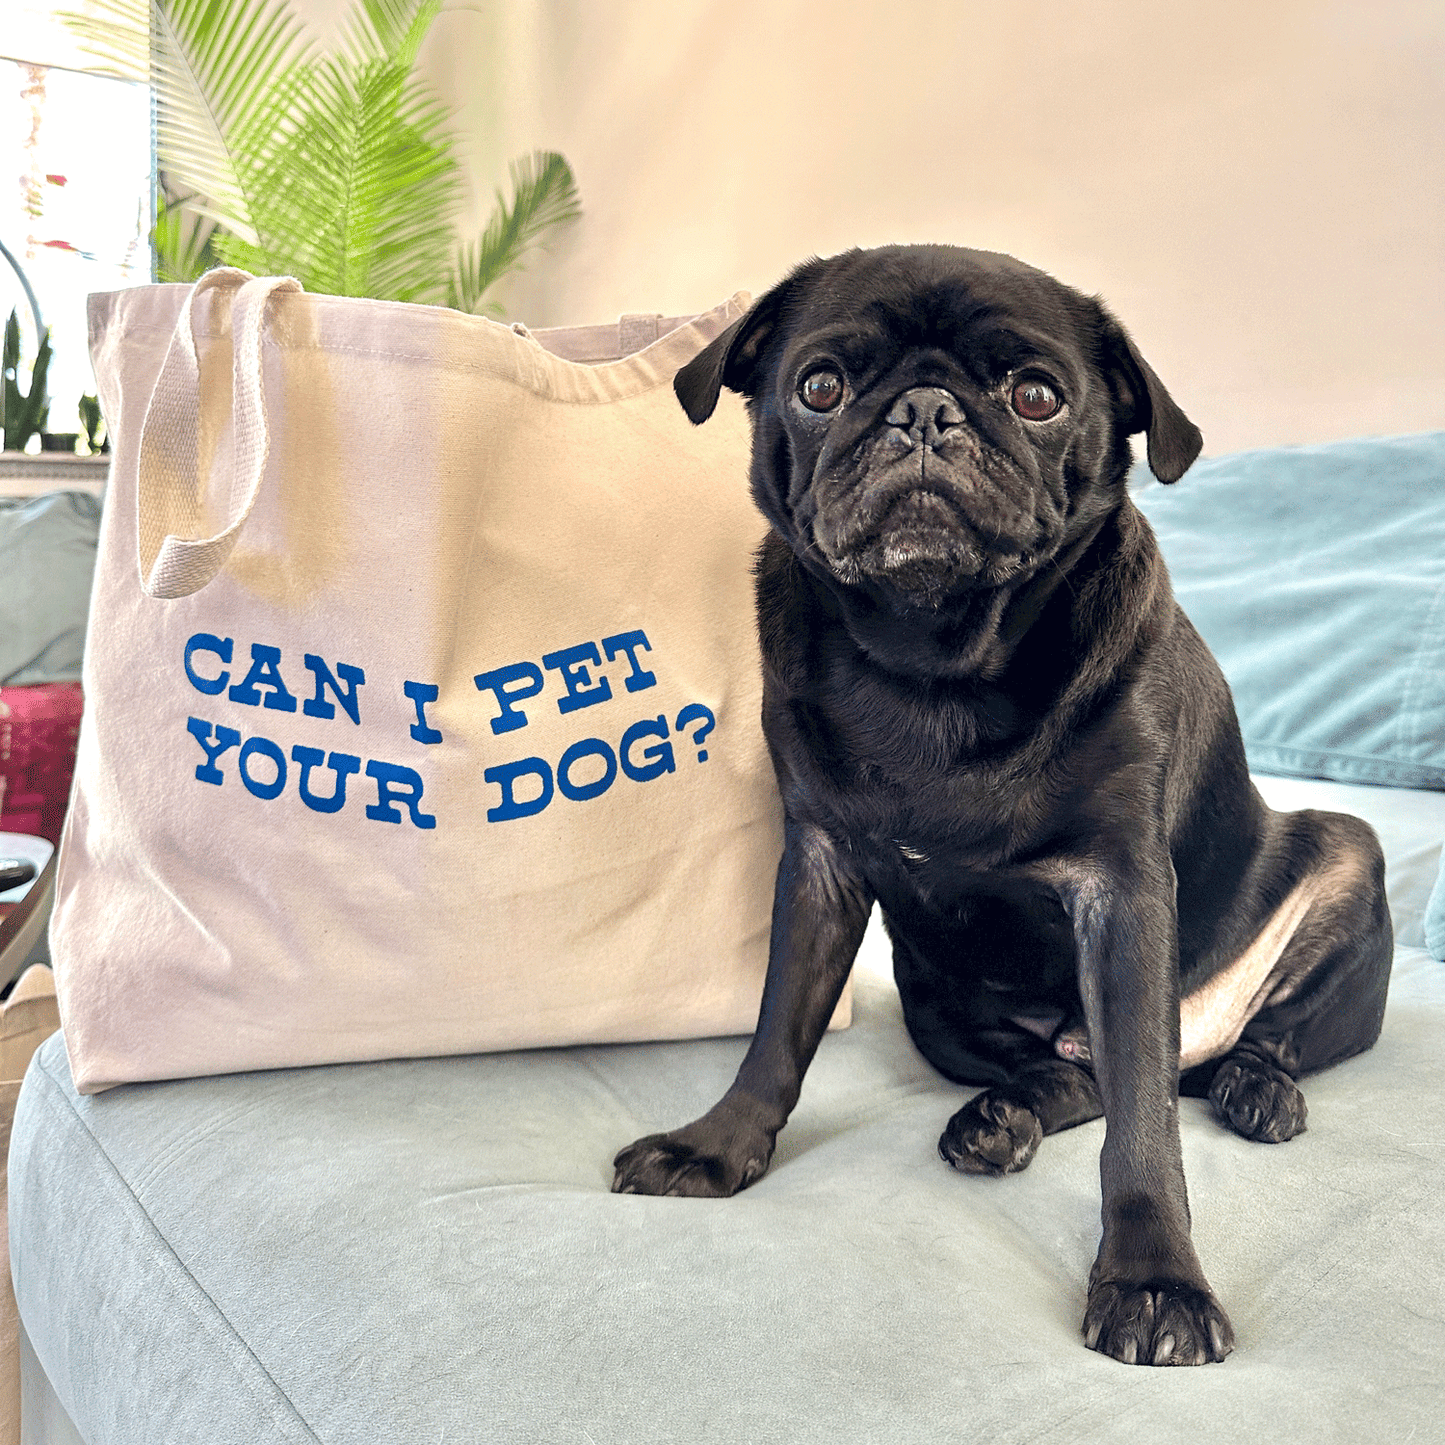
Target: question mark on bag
(695,712)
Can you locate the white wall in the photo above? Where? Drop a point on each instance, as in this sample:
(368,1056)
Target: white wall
(1257,188)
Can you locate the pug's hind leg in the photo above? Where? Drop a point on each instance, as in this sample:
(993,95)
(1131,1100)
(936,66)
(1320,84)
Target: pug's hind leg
(999,1130)
(1324,1000)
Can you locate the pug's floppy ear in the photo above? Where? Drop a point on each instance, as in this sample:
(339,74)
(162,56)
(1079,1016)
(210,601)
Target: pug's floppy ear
(730,360)
(1173,440)
(699,384)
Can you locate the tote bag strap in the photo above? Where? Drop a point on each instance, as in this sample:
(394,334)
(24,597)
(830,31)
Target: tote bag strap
(170,480)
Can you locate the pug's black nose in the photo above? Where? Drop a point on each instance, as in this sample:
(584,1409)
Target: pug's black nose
(925,413)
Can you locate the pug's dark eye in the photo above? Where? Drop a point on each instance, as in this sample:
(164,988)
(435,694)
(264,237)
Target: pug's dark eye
(821,390)
(1036,400)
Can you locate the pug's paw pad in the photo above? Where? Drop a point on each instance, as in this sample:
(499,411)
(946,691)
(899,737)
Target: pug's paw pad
(991,1135)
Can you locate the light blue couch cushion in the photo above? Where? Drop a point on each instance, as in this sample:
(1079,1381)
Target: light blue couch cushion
(1317,576)
(427,1251)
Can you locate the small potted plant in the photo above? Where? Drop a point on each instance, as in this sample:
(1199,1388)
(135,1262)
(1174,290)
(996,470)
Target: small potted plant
(24,413)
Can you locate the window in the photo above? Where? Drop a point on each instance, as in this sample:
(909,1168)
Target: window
(76,187)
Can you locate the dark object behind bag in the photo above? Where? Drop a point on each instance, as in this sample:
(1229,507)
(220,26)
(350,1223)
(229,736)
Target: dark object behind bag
(39,728)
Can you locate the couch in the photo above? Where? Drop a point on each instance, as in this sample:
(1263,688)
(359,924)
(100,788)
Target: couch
(427,1250)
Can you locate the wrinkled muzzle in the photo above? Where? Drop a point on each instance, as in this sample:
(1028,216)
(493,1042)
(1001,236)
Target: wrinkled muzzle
(921,505)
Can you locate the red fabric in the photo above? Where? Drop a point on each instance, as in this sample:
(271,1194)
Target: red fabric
(38,730)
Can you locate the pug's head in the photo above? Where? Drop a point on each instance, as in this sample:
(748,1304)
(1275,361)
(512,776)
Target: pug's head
(930,421)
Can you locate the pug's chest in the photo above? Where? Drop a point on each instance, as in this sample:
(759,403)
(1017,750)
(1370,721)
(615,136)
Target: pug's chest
(922,795)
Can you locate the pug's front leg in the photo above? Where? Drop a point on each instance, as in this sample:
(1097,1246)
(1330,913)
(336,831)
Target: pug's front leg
(1149,1301)
(820,911)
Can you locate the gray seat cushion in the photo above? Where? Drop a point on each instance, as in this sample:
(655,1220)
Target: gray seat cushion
(47,560)
(427,1251)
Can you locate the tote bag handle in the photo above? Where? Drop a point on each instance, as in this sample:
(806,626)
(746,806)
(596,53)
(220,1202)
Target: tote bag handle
(170,480)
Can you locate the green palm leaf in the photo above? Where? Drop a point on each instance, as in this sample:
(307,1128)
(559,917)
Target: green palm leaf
(224,73)
(361,198)
(117,34)
(336,169)
(184,240)
(544,195)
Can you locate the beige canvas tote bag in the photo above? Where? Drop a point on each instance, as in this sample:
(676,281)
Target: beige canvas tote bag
(422,692)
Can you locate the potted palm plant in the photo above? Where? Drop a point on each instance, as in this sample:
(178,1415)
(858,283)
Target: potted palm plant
(335,167)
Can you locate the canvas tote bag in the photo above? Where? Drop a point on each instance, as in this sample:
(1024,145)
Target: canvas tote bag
(422,692)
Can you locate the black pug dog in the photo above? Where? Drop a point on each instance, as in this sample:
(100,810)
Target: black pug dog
(988,713)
